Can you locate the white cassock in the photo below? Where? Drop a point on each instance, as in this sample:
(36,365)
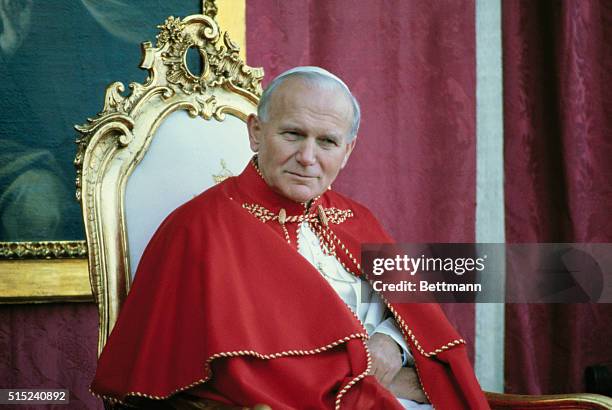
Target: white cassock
(353,291)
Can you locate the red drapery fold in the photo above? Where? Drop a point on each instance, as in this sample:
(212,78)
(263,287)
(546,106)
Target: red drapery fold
(558,176)
(50,346)
(411,65)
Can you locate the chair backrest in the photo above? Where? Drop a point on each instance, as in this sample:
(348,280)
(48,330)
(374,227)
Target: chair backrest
(146,153)
(186,156)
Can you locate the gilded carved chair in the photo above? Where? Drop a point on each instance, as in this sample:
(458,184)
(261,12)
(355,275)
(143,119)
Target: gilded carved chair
(171,138)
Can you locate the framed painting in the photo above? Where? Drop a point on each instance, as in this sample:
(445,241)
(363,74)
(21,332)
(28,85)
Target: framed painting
(56,60)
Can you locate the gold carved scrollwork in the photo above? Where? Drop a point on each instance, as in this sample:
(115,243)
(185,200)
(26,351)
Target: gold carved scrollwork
(169,75)
(210,8)
(43,250)
(221,60)
(206,107)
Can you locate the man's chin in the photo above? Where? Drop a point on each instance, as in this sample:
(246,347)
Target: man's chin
(301,196)
(300,199)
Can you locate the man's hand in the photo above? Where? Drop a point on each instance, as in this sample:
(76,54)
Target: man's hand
(386,358)
(406,386)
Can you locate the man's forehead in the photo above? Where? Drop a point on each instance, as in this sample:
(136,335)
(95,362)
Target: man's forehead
(302,91)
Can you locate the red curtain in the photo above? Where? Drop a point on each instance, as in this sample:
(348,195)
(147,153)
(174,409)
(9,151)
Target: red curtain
(411,65)
(50,346)
(558,175)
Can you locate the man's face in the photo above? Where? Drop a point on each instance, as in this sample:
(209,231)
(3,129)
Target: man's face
(303,144)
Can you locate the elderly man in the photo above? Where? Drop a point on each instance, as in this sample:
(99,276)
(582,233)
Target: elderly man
(252,292)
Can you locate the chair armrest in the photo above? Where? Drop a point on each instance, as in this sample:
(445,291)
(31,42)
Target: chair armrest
(578,401)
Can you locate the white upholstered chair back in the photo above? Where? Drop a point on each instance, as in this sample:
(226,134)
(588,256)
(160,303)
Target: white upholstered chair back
(186,156)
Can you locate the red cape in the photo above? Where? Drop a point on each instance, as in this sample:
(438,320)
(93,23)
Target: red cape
(224,306)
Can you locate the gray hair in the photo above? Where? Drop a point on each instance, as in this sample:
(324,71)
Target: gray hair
(318,76)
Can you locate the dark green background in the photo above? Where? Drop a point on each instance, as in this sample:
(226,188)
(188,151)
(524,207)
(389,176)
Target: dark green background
(56,59)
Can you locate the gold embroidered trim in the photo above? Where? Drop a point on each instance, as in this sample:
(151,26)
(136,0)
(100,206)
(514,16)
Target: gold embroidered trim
(337,216)
(236,353)
(416,368)
(256,165)
(354,381)
(333,215)
(410,334)
(260,212)
(327,246)
(348,253)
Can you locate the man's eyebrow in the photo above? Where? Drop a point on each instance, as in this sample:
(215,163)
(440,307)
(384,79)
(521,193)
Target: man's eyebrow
(290,126)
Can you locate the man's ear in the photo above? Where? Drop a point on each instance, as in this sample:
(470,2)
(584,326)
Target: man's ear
(255,131)
(349,149)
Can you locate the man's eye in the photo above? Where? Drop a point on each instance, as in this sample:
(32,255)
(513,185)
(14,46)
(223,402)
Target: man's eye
(291,134)
(329,142)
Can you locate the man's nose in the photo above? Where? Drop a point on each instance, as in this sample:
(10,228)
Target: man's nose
(306,154)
